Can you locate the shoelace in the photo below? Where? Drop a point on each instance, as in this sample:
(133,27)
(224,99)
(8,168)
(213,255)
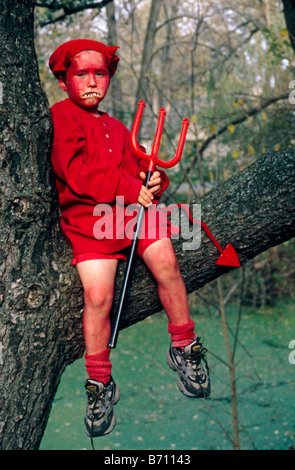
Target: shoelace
(93,398)
(195,357)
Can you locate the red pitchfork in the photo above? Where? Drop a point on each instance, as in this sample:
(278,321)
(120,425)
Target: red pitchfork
(153,162)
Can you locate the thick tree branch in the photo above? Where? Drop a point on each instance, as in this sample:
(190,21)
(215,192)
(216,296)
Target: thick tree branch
(254,210)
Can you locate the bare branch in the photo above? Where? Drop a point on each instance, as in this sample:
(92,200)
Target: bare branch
(237,120)
(69,10)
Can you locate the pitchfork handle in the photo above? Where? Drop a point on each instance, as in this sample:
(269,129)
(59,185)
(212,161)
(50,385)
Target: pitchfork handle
(140,216)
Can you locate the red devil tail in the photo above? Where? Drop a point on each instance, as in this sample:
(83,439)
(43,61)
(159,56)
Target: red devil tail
(229,256)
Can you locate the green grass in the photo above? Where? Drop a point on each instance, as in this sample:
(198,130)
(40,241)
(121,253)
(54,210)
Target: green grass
(153,415)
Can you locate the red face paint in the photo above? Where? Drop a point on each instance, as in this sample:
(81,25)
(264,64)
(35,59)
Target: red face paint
(87,80)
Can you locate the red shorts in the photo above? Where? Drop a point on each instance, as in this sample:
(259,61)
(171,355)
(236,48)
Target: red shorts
(154,229)
(141,247)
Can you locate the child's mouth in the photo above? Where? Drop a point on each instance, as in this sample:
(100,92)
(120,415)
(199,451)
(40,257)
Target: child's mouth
(91,95)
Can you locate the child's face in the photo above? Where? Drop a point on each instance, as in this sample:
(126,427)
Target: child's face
(87,80)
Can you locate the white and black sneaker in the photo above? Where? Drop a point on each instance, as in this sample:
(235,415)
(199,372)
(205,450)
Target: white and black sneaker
(99,417)
(193,378)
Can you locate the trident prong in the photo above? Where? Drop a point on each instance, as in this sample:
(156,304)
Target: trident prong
(153,161)
(153,157)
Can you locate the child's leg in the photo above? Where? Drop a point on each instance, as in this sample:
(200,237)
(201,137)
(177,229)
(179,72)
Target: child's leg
(186,353)
(97,277)
(162,262)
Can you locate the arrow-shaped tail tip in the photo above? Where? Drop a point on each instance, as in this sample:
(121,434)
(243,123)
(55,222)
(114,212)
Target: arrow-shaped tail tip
(229,257)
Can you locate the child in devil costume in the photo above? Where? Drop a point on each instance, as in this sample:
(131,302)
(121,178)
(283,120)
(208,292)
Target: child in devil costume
(93,164)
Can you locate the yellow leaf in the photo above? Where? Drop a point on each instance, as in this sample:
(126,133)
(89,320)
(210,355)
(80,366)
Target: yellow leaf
(236,103)
(263,115)
(241,101)
(251,149)
(211,176)
(231,128)
(236,154)
(284,33)
(277,147)
(213,129)
(194,118)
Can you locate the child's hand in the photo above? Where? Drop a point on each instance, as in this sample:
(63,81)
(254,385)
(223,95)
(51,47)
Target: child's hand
(155,182)
(145,197)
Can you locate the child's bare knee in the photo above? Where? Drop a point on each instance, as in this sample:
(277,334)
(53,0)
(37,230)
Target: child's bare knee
(167,266)
(98,297)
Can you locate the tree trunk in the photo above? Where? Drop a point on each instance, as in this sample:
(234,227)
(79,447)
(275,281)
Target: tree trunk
(147,54)
(289,12)
(115,90)
(33,266)
(40,293)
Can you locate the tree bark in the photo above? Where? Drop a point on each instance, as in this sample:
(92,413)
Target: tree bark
(33,275)
(289,13)
(41,297)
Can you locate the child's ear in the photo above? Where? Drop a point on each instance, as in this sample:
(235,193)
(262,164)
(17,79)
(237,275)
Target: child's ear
(62,84)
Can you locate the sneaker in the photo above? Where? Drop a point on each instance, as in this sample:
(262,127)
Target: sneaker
(193,380)
(99,418)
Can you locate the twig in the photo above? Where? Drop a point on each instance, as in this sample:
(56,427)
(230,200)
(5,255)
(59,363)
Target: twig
(231,369)
(240,312)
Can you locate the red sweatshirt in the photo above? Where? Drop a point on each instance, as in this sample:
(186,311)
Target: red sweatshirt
(93,163)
